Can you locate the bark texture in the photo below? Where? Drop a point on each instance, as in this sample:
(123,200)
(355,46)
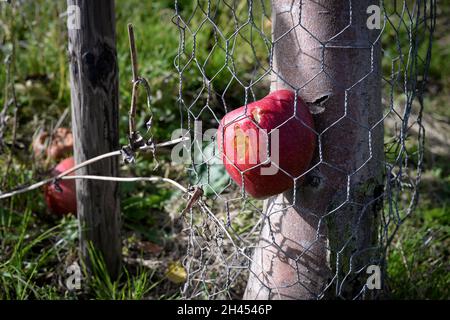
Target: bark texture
(325,233)
(94,91)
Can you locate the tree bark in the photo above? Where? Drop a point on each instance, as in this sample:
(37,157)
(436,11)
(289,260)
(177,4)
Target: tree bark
(94,91)
(318,244)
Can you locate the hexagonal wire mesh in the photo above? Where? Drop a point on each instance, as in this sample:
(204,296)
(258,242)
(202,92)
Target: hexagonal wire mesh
(228,57)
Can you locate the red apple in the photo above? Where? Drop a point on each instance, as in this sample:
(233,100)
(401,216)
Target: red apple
(264,147)
(62,201)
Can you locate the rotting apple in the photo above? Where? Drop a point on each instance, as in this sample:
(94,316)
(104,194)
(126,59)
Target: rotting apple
(61,198)
(55,146)
(267,144)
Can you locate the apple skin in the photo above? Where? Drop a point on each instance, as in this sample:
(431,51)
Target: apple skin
(64,202)
(297,143)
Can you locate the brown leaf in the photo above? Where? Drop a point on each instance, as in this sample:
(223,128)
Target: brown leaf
(150,247)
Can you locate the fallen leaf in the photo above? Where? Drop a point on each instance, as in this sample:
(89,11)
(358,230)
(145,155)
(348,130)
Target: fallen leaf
(150,247)
(176,272)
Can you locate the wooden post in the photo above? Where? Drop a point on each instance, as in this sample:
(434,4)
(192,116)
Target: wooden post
(329,232)
(94,90)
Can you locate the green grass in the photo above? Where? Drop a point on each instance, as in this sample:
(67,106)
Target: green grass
(30,254)
(418,261)
(418,265)
(32,269)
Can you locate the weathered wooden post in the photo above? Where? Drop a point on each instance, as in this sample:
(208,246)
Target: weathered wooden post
(329,231)
(94,90)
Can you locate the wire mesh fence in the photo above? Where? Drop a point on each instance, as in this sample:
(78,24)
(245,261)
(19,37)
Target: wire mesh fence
(223,243)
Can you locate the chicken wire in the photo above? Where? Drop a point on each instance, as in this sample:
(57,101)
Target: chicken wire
(225,60)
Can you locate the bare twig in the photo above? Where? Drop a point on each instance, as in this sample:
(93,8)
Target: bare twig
(136,141)
(60,120)
(13,143)
(134,94)
(196,196)
(7,102)
(133,52)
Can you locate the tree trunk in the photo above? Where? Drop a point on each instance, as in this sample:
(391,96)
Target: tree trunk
(94,90)
(325,235)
